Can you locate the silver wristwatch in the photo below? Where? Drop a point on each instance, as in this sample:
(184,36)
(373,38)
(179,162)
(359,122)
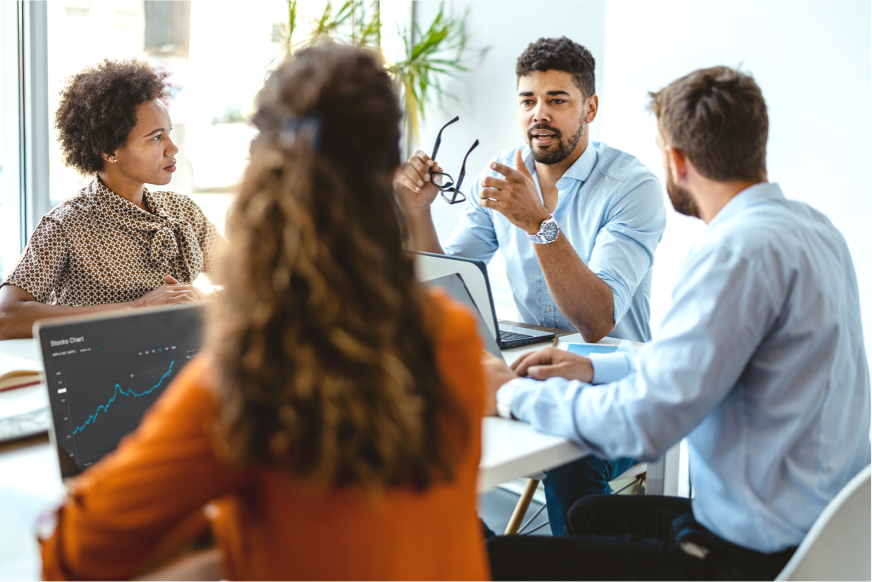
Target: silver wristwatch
(548,232)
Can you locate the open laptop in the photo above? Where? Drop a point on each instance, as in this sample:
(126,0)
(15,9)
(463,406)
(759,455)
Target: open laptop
(104,371)
(474,273)
(455,286)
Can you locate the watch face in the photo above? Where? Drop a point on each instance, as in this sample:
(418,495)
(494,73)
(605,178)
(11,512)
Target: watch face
(549,230)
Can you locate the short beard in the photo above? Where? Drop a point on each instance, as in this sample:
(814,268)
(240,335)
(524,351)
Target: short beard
(682,201)
(558,152)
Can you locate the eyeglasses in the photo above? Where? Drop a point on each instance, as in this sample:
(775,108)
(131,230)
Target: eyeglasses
(450,192)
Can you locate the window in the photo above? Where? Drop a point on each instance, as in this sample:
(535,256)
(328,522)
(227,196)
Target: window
(218,56)
(10,208)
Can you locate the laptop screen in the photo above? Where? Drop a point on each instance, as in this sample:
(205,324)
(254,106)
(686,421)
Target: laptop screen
(455,286)
(104,372)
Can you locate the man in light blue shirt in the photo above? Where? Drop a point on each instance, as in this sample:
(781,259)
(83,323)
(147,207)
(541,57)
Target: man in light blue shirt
(759,363)
(577,222)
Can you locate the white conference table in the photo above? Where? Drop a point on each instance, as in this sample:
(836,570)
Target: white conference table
(510,449)
(30,481)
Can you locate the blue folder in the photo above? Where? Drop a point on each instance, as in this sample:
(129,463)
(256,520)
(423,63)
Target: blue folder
(588,349)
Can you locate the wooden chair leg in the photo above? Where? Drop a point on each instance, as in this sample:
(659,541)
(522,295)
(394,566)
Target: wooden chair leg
(521,507)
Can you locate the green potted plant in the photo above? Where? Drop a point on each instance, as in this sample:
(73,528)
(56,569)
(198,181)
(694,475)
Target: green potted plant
(428,55)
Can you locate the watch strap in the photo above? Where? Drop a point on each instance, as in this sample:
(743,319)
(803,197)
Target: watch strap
(547,227)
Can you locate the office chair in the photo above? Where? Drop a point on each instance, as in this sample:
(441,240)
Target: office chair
(839,545)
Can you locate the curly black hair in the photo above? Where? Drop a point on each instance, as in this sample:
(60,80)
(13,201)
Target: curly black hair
(560,54)
(98,109)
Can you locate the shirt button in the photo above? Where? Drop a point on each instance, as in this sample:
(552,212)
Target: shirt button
(548,309)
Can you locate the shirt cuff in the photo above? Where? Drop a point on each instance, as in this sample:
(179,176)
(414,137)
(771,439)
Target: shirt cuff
(504,398)
(610,367)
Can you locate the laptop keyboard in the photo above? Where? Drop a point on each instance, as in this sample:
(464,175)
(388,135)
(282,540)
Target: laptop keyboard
(508,336)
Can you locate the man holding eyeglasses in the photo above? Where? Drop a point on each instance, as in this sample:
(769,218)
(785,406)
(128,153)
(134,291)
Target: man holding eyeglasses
(577,222)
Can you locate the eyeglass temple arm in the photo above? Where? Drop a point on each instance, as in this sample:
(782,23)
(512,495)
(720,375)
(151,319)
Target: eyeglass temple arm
(463,167)
(439,137)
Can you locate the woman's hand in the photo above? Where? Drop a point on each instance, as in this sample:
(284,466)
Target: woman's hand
(171,292)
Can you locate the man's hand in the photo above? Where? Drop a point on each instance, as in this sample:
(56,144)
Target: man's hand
(554,363)
(169,293)
(496,373)
(415,190)
(514,196)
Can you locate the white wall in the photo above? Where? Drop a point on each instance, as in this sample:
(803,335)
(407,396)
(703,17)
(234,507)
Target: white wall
(812,60)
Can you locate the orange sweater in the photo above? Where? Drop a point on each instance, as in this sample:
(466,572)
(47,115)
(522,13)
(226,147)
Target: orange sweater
(270,526)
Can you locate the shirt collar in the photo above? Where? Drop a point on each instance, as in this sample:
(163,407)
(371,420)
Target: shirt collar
(580,169)
(750,196)
(583,166)
(122,204)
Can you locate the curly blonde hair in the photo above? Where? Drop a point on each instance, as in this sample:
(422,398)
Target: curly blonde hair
(326,366)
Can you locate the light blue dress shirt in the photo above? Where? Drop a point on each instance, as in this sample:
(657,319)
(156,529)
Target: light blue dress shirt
(759,362)
(610,209)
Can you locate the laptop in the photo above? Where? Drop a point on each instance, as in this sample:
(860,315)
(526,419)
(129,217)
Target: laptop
(455,286)
(474,273)
(104,371)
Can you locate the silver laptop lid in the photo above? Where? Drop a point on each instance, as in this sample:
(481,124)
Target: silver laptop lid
(455,286)
(474,272)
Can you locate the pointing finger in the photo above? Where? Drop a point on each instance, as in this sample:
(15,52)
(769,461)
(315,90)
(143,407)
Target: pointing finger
(495,183)
(509,173)
(521,166)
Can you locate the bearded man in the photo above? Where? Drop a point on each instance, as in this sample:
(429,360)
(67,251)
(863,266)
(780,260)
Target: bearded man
(759,364)
(577,222)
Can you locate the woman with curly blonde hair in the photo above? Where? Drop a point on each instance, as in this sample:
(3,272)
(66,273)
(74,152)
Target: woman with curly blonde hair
(335,419)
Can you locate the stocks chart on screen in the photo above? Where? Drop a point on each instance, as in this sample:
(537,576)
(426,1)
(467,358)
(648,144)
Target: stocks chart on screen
(103,375)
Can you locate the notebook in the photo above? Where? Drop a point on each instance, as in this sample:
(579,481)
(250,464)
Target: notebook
(474,273)
(17,372)
(103,372)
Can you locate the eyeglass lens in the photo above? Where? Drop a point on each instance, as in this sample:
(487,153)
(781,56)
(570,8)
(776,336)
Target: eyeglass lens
(456,195)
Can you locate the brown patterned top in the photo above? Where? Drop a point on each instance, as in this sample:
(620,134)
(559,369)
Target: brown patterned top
(98,247)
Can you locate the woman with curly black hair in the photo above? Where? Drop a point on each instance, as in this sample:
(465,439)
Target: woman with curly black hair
(115,244)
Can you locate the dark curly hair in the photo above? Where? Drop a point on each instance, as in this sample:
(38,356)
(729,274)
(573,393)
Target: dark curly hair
(98,109)
(326,364)
(559,54)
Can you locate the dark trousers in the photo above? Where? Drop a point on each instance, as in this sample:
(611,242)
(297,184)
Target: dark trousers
(630,538)
(576,480)
(573,481)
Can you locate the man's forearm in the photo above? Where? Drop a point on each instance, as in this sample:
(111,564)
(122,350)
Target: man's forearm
(17,318)
(581,296)
(422,233)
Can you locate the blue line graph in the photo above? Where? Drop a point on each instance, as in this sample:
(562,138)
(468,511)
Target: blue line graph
(118,389)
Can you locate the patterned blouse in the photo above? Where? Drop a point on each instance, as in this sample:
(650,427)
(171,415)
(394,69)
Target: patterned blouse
(98,247)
